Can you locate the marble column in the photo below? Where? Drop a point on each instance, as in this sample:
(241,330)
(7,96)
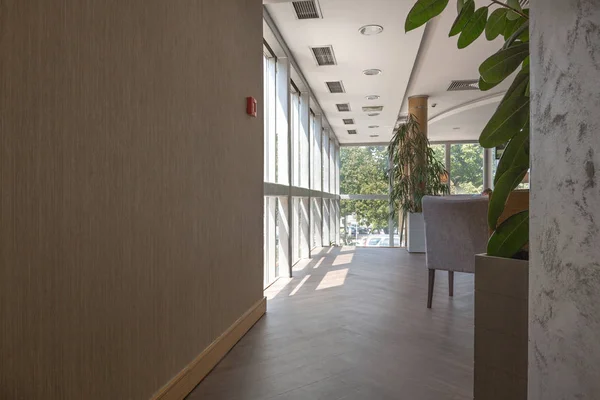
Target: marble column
(564,330)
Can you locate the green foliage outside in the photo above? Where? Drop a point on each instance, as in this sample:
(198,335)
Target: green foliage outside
(363,171)
(466,168)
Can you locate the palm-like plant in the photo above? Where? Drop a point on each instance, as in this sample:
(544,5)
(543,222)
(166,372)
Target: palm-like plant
(414,170)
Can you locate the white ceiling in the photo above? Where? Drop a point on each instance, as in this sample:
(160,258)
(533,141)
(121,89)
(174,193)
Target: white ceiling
(396,53)
(440,62)
(392,51)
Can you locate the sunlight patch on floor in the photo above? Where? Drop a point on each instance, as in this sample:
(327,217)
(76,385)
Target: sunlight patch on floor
(299,285)
(300,265)
(343,259)
(277,287)
(333,279)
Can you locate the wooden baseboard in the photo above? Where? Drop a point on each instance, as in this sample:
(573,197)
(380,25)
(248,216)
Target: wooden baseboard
(185,381)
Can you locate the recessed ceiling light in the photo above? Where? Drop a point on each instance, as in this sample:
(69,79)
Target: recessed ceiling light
(369,30)
(373,135)
(373,114)
(373,126)
(372,72)
(372,97)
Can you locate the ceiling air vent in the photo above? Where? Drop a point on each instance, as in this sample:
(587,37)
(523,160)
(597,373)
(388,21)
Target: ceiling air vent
(469,84)
(352,132)
(335,87)
(373,109)
(343,107)
(306,9)
(324,55)
(349,121)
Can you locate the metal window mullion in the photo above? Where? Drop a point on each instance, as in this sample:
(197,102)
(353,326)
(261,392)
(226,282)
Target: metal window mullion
(391,205)
(310,180)
(322,189)
(449,165)
(290,162)
(488,159)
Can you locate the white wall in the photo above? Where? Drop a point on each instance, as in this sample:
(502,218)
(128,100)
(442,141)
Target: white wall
(130,190)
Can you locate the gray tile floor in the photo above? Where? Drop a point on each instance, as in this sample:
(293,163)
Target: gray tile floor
(353,324)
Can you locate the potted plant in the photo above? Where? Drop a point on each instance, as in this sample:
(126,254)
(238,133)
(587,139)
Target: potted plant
(415,173)
(501,275)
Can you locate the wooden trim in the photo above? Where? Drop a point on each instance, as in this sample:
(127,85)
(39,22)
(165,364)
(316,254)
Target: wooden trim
(186,380)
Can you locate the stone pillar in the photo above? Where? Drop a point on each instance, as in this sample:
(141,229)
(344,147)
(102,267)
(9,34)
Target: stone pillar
(564,292)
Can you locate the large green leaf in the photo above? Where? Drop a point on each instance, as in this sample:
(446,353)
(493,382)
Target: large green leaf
(511,15)
(484,86)
(521,76)
(506,184)
(522,30)
(524,37)
(422,12)
(511,115)
(510,237)
(496,24)
(463,17)
(500,65)
(512,26)
(526,63)
(474,28)
(516,153)
(459,5)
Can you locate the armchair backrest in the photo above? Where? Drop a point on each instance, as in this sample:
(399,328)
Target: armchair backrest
(455,230)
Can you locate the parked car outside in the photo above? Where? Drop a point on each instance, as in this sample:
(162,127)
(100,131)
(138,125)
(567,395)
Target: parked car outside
(361,230)
(379,241)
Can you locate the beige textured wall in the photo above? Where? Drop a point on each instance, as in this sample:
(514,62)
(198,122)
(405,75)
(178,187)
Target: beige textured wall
(131,190)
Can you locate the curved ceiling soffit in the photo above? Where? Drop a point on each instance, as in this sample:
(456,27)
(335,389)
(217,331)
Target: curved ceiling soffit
(470,105)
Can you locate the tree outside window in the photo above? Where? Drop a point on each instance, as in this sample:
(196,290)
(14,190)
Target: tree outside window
(364,171)
(466,168)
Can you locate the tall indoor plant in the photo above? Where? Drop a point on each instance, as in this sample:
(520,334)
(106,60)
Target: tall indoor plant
(415,173)
(501,281)
(510,123)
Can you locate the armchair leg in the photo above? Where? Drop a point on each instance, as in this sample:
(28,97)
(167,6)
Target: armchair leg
(451,283)
(430,288)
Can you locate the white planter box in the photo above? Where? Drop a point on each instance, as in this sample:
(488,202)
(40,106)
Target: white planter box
(415,233)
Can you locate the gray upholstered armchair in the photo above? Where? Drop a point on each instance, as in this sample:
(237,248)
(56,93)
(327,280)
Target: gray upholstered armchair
(455,230)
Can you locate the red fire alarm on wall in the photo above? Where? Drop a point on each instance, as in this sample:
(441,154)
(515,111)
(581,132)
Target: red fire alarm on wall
(251,106)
